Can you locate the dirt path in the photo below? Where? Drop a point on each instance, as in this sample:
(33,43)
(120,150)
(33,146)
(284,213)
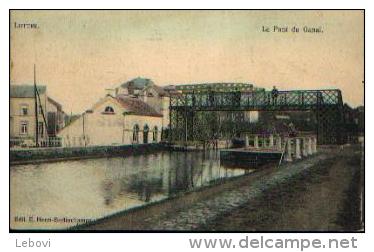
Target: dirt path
(325,198)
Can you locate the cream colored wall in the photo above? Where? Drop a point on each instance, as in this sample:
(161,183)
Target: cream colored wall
(104,129)
(141,121)
(17,117)
(72,135)
(107,129)
(95,128)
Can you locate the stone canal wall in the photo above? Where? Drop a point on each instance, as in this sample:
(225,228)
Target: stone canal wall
(26,156)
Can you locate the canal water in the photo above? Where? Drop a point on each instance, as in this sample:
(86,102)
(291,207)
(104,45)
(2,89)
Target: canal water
(64,194)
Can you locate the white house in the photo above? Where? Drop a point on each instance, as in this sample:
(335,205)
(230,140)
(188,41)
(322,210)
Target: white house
(23,117)
(114,121)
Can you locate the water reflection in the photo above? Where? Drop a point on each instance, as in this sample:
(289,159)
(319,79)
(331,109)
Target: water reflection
(94,188)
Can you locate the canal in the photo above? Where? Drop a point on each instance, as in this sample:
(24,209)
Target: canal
(63,194)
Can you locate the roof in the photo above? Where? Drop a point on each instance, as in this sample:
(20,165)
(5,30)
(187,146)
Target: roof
(25,91)
(58,105)
(137,107)
(138,83)
(160,90)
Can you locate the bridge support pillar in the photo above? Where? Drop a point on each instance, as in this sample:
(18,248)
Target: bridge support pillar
(279,143)
(271,141)
(256,142)
(297,148)
(314,145)
(304,147)
(310,146)
(288,157)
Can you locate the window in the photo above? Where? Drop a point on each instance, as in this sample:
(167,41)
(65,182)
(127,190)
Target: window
(109,110)
(41,129)
(145,133)
(155,134)
(24,110)
(135,134)
(24,127)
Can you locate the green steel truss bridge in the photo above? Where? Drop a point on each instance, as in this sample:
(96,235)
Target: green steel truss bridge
(196,115)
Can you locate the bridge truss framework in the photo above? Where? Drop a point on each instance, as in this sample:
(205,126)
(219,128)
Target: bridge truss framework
(196,116)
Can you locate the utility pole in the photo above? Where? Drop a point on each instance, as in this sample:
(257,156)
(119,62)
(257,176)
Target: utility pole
(84,133)
(185,120)
(36,111)
(170,126)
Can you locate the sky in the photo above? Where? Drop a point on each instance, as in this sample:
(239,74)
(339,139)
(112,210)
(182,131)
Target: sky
(78,54)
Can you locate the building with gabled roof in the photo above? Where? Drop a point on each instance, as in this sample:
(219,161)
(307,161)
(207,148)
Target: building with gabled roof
(113,120)
(147,91)
(23,117)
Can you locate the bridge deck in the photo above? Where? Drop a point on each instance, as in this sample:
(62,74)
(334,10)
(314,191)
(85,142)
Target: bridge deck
(257,100)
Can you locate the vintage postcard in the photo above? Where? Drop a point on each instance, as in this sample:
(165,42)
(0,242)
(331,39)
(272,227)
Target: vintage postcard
(187,120)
